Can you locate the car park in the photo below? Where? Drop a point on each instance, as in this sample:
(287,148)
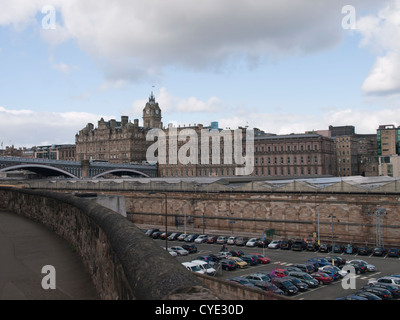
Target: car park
(190,247)
(201,238)
(179,250)
(322,277)
(261,258)
(386,279)
(305,277)
(193,267)
(274,244)
(370,267)
(252,242)
(393,252)
(205,266)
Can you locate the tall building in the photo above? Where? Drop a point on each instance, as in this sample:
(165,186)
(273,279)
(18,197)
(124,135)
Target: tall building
(388,140)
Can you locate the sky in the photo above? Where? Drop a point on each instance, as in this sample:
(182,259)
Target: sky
(283,66)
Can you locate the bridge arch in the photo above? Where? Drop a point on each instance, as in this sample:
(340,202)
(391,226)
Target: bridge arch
(41,169)
(122,172)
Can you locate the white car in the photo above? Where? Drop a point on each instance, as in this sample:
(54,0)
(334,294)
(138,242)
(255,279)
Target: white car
(341,272)
(274,244)
(390,280)
(252,242)
(171,252)
(231,240)
(193,267)
(370,267)
(205,266)
(180,250)
(201,238)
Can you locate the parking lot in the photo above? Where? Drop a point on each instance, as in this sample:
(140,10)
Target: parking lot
(280,259)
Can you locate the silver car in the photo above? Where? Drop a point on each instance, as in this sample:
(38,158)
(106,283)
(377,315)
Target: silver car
(179,250)
(370,267)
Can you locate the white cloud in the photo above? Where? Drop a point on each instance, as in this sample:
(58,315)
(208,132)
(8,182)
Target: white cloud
(29,128)
(381,34)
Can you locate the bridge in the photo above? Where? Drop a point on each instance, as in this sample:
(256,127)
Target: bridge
(76,169)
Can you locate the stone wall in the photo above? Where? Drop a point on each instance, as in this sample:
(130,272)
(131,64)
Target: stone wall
(122,261)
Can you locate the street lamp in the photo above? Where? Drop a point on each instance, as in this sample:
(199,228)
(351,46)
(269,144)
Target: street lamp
(166,216)
(332,216)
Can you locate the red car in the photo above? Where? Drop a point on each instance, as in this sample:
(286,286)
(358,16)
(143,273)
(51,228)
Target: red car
(322,277)
(279,273)
(212,239)
(261,258)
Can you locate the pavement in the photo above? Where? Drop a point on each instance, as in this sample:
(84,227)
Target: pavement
(26,247)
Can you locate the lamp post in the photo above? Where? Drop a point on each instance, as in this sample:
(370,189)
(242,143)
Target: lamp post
(332,216)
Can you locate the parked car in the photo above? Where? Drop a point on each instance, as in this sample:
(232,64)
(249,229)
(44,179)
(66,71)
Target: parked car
(190,247)
(368,295)
(279,273)
(352,297)
(180,251)
(222,240)
(359,268)
(301,286)
(387,279)
(298,245)
(286,286)
(205,266)
(379,252)
(156,235)
(171,252)
(270,287)
(258,277)
(174,236)
(236,253)
(231,240)
(250,259)
(241,280)
(338,248)
(228,264)
(337,261)
(149,232)
(212,239)
(261,258)
(384,294)
(342,273)
(325,247)
(224,255)
(333,273)
(305,267)
(193,267)
(305,277)
(312,246)
(364,251)
(350,249)
(212,261)
(165,235)
(370,267)
(394,290)
(263,242)
(252,242)
(201,238)
(322,277)
(241,241)
(191,237)
(182,236)
(239,262)
(393,252)
(274,244)
(286,244)
(320,261)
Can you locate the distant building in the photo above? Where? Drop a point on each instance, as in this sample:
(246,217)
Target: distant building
(56,152)
(388,149)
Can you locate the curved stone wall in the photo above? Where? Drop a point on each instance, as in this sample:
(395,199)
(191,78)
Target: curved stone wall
(123,263)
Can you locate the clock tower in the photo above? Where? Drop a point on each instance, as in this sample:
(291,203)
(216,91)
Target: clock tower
(152,114)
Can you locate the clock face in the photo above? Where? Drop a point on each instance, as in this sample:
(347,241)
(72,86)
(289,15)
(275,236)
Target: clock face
(156,111)
(148,111)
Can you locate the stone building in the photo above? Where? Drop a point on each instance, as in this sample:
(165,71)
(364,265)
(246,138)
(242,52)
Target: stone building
(55,152)
(118,141)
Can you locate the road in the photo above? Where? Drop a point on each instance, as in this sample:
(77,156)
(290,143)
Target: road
(281,258)
(25,248)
